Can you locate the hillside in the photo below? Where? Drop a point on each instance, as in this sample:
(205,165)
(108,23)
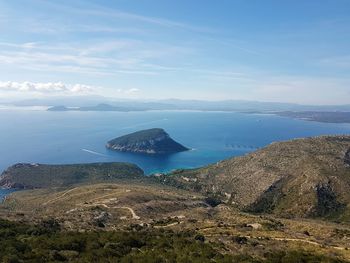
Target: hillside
(45,242)
(151,141)
(27,176)
(299,178)
(140,209)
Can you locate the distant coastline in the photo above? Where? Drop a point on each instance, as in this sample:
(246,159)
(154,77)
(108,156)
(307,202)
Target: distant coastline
(326,115)
(29,108)
(318,116)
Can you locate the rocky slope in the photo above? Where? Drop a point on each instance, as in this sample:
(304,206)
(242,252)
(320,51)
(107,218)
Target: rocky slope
(28,176)
(299,178)
(139,207)
(152,141)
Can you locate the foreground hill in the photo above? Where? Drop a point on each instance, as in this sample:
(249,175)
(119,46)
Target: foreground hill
(151,141)
(299,178)
(105,222)
(24,176)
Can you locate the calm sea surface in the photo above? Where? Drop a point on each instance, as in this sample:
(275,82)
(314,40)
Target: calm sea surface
(79,137)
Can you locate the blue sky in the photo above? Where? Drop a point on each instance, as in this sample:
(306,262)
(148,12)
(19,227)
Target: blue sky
(287,51)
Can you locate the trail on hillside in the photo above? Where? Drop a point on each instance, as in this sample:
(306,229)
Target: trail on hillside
(134,216)
(60,196)
(282,239)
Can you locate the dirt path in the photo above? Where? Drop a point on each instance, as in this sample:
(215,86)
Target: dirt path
(104,204)
(134,216)
(169,225)
(285,239)
(60,196)
(104,196)
(296,240)
(64,194)
(97,202)
(306,241)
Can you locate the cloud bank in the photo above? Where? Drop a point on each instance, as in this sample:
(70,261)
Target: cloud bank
(45,88)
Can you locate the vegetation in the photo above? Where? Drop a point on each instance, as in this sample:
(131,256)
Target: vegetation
(42,176)
(47,243)
(213,200)
(138,136)
(155,141)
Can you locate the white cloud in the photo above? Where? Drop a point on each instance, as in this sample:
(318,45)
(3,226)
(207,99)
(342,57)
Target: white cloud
(132,91)
(128,91)
(107,58)
(45,88)
(81,88)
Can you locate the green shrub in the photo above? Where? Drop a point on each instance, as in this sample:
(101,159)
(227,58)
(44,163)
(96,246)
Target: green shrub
(45,243)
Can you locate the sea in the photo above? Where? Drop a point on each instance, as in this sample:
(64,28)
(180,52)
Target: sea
(34,135)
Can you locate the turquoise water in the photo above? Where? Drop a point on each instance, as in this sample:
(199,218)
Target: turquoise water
(4,193)
(78,137)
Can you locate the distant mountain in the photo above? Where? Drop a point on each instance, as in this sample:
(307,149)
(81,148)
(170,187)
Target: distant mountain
(69,101)
(309,113)
(250,106)
(104,107)
(299,178)
(174,104)
(152,141)
(58,108)
(28,176)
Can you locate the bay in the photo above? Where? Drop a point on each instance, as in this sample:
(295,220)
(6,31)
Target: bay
(39,136)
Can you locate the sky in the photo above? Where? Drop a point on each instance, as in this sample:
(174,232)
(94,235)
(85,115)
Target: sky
(281,51)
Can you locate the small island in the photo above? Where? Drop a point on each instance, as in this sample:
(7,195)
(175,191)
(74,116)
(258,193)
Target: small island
(151,141)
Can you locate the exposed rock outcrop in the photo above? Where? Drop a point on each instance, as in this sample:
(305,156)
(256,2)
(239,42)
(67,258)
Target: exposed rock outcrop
(347,158)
